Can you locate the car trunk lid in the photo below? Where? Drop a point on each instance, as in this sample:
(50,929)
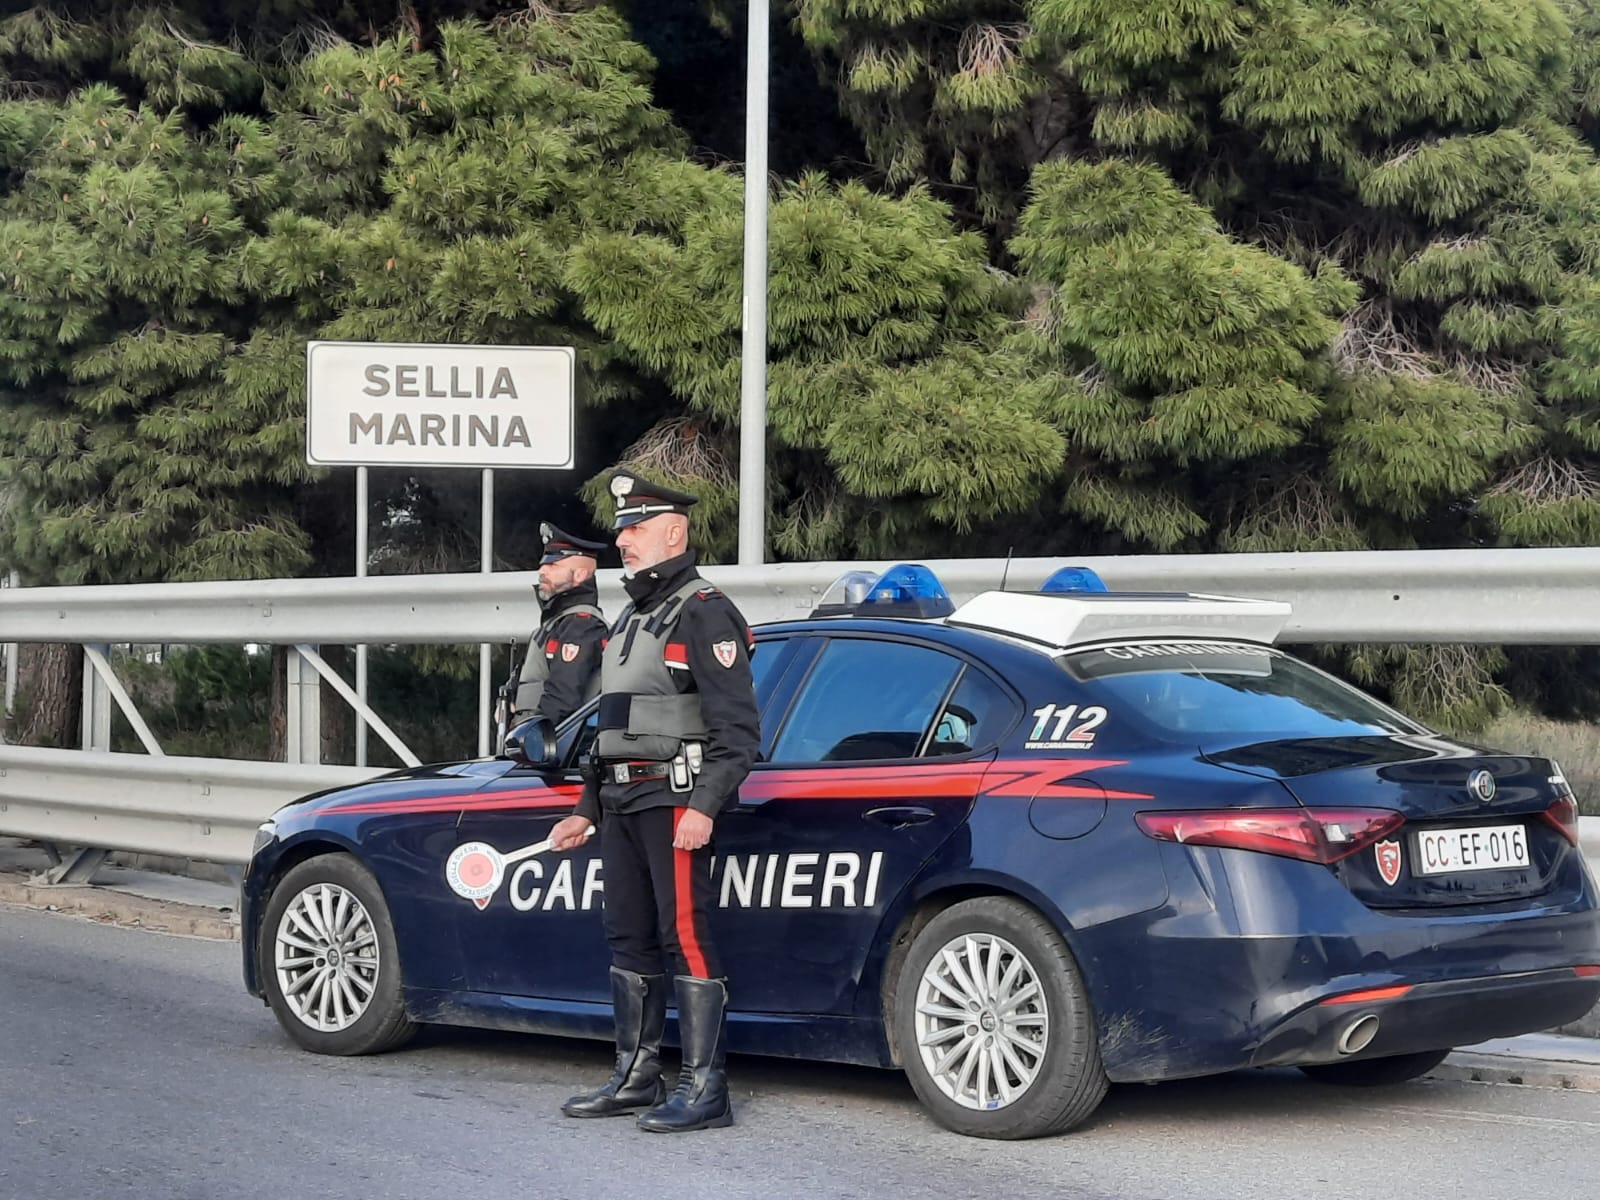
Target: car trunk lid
(1477,825)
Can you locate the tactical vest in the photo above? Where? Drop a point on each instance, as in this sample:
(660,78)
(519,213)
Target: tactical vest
(536,663)
(643,716)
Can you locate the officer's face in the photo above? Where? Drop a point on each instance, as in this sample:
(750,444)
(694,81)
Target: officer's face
(652,541)
(563,575)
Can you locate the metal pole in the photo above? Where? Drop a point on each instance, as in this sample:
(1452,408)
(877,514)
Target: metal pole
(484,649)
(753,376)
(12,580)
(361,647)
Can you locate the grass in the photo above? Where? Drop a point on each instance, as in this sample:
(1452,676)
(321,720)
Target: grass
(1575,745)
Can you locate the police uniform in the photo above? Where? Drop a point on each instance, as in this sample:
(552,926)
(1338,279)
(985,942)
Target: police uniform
(678,731)
(561,670)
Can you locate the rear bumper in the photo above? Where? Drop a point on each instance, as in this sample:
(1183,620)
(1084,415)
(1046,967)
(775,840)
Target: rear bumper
(1234,971)
(1430,1016)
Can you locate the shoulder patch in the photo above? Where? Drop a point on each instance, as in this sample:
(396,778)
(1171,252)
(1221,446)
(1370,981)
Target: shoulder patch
(709,592)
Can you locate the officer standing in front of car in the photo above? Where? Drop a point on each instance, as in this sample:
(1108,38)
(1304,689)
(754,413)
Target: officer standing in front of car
(678,732)
(561,670)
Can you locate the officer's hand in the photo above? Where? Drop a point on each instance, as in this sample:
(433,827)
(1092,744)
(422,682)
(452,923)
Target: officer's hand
(694,831)
(570,832)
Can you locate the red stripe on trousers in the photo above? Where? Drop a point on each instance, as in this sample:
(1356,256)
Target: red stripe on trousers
(682,886)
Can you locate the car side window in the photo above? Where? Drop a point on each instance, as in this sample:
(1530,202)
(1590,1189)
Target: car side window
(766,656)
(865,700)
(977,715)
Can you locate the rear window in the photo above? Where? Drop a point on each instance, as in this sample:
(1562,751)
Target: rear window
(1201,690)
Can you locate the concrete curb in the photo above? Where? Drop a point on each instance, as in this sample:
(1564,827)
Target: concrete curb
(1528,1072)
(121,908)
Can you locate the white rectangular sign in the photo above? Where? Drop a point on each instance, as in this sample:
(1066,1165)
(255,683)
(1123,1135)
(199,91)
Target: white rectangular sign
(392,404)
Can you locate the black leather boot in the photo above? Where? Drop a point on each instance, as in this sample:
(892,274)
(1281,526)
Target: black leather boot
(640,1003)
(700,1101)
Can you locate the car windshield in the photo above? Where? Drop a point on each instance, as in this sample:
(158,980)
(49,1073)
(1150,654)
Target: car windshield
(1204,691)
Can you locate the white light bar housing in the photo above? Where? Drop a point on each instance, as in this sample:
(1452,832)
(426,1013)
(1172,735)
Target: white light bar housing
(1074,619)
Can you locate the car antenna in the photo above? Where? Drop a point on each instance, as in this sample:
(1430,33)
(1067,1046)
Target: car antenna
(1007,569)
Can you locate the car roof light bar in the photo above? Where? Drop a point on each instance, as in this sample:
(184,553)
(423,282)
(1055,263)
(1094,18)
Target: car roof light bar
(1063,619)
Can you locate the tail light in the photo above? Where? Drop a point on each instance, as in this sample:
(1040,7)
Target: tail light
(1319,835)
(1563,814)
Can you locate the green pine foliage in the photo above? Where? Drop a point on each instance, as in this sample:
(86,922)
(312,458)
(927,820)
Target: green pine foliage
(1131,275)
(130,456)
(885,386)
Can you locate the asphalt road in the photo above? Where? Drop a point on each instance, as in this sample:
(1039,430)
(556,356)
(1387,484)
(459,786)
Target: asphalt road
(132,1064)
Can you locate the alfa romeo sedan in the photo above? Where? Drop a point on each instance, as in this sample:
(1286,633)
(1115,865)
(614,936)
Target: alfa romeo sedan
(1018,849)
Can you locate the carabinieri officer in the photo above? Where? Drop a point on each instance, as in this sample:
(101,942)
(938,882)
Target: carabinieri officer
(678,731)
(562,668)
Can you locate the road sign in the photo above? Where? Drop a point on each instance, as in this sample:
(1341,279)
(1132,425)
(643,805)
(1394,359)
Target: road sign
(390,404)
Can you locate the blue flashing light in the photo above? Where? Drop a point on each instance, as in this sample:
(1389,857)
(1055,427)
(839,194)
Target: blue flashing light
(907,590)
(1074,579)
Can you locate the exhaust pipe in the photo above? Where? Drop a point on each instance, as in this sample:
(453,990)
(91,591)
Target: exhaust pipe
(1358,1035)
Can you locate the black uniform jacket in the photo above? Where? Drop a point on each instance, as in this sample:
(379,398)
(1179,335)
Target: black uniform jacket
(727,695)
(571,645)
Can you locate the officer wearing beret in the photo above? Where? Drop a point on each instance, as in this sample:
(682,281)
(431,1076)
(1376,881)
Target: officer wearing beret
(678,732)
(561,670)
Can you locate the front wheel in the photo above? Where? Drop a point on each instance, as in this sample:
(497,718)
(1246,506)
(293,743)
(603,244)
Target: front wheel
(329,959)
(1377,1072)
(994,1024)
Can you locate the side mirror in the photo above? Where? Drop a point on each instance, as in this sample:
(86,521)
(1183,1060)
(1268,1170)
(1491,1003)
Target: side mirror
(533,744)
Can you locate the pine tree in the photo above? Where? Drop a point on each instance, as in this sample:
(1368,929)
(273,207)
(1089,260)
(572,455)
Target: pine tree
(1438,157)
(895,417)
(1129,274)
(132,445)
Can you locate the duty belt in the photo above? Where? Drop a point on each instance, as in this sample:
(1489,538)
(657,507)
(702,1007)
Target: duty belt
(634,772)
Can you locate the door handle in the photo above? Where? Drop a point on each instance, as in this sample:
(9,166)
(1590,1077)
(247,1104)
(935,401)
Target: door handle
(900,816)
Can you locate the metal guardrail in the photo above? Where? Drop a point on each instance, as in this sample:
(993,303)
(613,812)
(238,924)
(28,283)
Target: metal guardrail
(207,808)
(1527,597)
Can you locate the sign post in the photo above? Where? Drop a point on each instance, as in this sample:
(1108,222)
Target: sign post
(362,512)
(397,404)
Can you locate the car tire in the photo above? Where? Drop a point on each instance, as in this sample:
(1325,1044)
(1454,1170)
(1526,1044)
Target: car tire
(329,962)
(1032,1033)
(1377,1072)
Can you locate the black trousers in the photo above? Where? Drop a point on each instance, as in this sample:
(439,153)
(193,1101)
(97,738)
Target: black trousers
(658,900)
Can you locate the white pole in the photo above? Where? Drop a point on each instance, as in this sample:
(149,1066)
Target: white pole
(361,648)
(484,650)
(753,376)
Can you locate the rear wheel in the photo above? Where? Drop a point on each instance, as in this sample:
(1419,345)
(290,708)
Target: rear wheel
(329,960)
(994,1025)
(1377,1072)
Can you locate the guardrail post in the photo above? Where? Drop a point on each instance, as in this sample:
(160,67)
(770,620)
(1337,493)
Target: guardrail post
(303,736)
(79,868)
(10,651)
(96,706)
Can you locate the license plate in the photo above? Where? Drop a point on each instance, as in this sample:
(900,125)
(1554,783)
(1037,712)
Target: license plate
(1476,848)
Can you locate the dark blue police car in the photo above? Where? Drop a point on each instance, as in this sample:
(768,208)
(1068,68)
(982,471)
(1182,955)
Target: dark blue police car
(1018,849)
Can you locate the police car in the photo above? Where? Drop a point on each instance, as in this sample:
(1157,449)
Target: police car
(1019,849)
